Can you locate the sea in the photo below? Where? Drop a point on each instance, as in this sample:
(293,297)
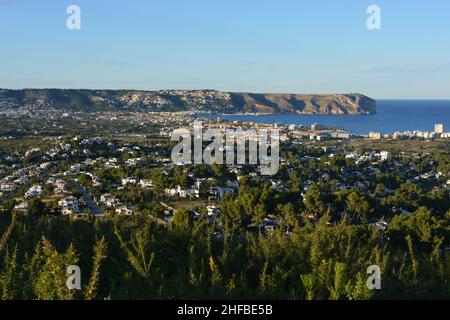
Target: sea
(392,116)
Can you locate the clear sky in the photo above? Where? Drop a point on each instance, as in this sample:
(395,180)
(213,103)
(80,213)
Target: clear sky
(320,46)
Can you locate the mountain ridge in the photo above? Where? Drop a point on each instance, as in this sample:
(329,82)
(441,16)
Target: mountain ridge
(198,101)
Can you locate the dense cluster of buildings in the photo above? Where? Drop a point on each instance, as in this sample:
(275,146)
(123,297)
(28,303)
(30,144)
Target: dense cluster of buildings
(436,134)
(45,179)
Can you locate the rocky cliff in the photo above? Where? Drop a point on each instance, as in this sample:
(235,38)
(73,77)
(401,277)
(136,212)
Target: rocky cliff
(186,100)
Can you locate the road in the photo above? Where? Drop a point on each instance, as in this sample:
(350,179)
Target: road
(95,209)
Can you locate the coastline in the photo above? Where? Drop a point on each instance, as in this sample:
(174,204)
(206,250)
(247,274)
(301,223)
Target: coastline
(392,116)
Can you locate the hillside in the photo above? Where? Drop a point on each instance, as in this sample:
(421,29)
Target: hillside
(185,100)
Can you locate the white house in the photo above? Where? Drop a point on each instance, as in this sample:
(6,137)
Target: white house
(212,210)
(8,187)
(34,191)
(22,207)
(180,192)
(146,183)
(109,200)
(125,211)
(128,181)
(69,206)
(384,155)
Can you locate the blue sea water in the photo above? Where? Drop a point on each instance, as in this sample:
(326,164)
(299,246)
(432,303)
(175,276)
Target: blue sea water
(392,116)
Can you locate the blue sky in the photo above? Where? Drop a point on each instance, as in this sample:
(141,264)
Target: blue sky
(320,46)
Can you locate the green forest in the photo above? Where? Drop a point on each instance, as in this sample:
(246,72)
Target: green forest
(124,258)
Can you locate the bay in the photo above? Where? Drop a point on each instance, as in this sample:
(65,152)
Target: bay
(392,116)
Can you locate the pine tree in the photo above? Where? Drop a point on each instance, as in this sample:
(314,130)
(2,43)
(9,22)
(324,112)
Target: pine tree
(100,251)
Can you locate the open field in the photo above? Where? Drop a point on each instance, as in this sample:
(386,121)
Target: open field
(405,146)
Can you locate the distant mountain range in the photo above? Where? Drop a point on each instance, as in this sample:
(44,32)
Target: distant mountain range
(199,101)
